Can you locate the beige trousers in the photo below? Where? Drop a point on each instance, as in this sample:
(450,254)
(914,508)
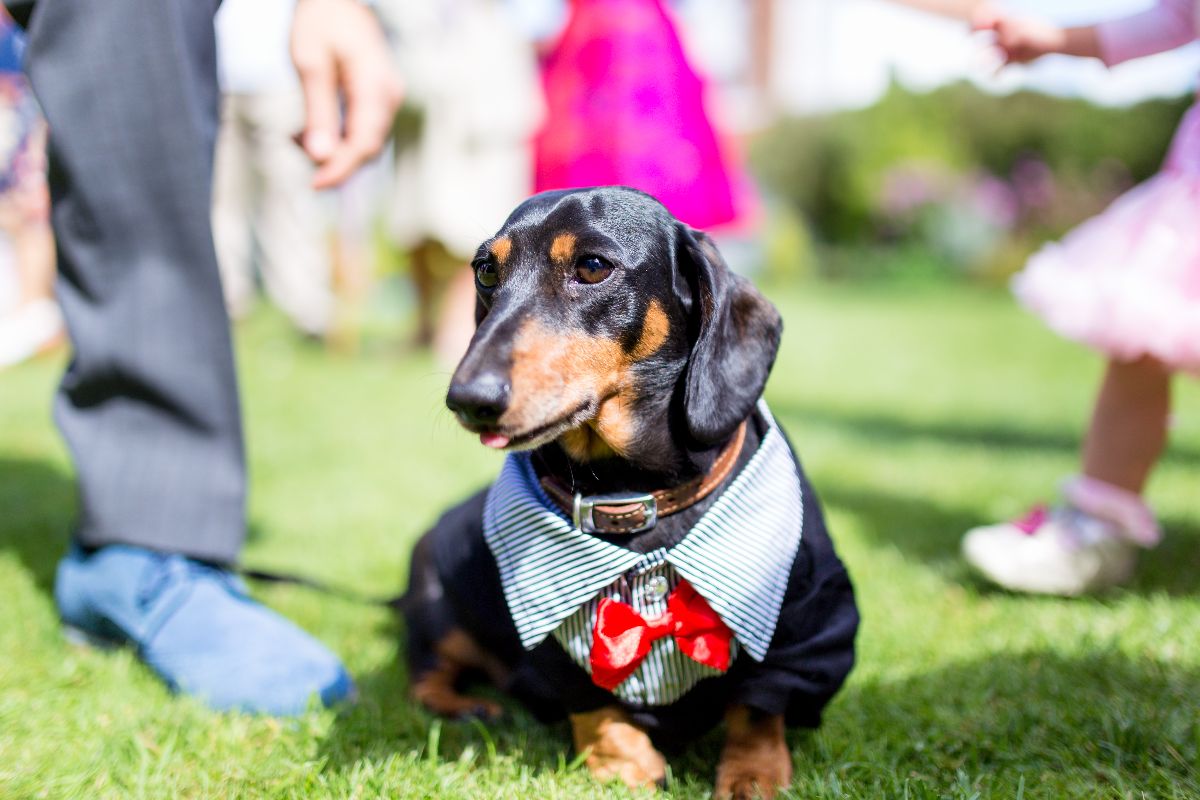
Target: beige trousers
(262,196)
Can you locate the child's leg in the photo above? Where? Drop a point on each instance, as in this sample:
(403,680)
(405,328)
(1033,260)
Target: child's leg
(1090,542)
(1129,424)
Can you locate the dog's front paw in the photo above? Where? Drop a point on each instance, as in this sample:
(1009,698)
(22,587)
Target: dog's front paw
(756,761)
(437,694)
(616,748)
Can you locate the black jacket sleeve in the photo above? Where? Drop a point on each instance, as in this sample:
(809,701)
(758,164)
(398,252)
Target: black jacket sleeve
(812,650)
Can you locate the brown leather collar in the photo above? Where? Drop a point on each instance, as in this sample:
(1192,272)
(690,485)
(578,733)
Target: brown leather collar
(633,512)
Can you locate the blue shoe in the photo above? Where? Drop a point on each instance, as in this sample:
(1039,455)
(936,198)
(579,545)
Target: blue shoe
(196,627)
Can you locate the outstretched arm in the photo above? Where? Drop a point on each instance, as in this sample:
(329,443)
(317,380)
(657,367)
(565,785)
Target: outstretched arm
(338,45)
(1023,39)
(1169,24)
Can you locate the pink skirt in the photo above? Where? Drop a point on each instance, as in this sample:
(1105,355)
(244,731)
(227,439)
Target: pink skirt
(1127,281)
(624,106)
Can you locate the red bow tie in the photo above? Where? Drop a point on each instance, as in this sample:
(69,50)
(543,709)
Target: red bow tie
(622,637)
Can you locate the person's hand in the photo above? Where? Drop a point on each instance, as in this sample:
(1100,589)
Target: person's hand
(1019,39)
(337,44)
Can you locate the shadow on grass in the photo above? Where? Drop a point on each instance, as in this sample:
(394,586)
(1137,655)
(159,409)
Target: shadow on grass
(930,533)
(918,528)
(1171,566)
(37,509)
(887,429)
(1103,722)
(1097,725)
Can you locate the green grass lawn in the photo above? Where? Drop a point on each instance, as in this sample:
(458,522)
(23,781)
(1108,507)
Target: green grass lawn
(918,413)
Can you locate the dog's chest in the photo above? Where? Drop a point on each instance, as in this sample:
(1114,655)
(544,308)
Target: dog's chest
(665,673)
(734,564)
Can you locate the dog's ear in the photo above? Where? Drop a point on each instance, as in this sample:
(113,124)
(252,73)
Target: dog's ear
(734,334)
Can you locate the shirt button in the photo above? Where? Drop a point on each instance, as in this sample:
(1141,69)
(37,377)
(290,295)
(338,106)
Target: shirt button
(656,588)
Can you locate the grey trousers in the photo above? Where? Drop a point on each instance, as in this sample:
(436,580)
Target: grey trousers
(149,404)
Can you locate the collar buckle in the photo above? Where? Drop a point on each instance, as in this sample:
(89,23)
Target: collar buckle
(583,511)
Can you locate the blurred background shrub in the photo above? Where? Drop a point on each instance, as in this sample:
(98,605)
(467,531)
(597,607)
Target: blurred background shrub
(954,183)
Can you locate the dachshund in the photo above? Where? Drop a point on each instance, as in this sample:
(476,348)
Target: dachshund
(652,560)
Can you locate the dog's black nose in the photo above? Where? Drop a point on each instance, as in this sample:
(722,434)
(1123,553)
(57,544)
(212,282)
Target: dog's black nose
(479,401)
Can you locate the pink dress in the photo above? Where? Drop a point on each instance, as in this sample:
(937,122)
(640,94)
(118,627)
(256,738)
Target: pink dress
(1127,281)
(624,107)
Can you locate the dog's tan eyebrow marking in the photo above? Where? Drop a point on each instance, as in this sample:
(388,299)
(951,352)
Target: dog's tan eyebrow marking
(562,249)
(501,248)
(655,327)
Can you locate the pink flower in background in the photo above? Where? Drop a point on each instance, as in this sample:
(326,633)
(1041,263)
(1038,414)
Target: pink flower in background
(995,200)
(1033,182)
(911,186)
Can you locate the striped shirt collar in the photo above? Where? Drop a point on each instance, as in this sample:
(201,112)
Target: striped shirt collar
(738,556)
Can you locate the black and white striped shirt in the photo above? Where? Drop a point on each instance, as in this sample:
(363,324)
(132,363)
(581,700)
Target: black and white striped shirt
(738,557)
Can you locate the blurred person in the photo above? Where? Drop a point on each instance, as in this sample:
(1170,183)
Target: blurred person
(262,192)
(624,106)
(149,404)
(32,324)
(464,159)
(1126,283)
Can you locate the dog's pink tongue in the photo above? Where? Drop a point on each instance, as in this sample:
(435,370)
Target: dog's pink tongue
(493,440)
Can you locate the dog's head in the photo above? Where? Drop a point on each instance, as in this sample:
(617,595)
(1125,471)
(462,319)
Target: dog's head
(606,324)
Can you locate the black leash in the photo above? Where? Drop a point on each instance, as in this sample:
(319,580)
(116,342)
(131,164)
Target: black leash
(394,603)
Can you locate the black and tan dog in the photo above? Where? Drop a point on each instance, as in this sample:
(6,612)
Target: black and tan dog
(652,559)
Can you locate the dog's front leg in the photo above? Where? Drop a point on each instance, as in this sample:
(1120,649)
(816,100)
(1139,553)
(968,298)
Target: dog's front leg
(436,688)
(756,761)
(616,747)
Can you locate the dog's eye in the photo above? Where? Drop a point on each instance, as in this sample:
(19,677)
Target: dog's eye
(485,274)
(592,269)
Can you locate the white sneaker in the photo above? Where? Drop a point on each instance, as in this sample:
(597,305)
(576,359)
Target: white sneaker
(1060,552)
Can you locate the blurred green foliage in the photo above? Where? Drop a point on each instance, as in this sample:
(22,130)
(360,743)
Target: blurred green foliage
(975,181)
